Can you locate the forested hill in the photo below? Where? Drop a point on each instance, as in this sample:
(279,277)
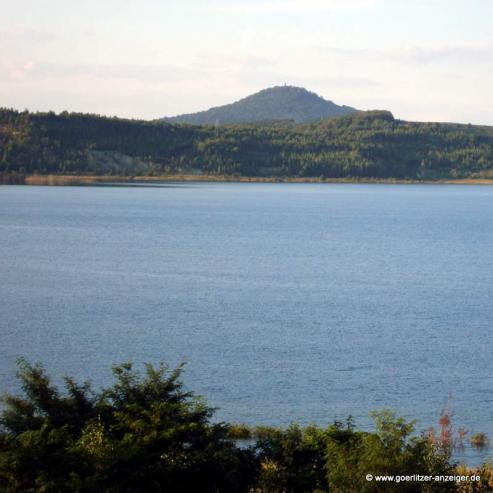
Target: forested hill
(361,145)
(273,104)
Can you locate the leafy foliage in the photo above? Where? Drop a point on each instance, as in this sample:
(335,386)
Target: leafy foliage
(145,433)
(364,144)
(142,434)
(391,450)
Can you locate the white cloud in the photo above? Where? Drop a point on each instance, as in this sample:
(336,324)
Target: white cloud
(289,6)
(17,34)
(111,71)
(418,55)
(16,71)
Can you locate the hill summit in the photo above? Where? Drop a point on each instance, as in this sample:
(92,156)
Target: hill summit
(274,103)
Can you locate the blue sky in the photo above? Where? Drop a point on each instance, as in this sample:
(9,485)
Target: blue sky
(423,60)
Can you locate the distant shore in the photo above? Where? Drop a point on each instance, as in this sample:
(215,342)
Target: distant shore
(87,180)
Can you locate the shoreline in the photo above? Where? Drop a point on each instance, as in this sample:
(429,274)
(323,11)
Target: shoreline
(88,180)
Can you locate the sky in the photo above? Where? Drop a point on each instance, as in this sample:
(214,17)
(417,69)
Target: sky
(424,60)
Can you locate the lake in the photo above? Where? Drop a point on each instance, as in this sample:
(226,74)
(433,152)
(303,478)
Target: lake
(289,302)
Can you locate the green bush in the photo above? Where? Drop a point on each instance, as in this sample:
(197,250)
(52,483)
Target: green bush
(146,434)
(141,434)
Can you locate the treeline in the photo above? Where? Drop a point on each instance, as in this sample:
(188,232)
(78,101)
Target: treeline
(145,433)
(364,144)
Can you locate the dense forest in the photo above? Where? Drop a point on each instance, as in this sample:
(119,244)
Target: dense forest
(145,433)
(360,145)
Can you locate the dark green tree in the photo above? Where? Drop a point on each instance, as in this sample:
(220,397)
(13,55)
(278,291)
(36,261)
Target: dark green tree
(143,434)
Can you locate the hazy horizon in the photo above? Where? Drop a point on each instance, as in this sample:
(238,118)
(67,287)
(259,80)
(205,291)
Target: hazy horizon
(424,61)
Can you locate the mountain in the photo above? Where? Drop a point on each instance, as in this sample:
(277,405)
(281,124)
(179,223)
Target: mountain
(275,103)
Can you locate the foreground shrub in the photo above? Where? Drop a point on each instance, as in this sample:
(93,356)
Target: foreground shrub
(291,460)
(392,450)
(485,485)
(142,434)
(146,434)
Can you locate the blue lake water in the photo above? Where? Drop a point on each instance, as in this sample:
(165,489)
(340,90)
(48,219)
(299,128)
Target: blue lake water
(289,302)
